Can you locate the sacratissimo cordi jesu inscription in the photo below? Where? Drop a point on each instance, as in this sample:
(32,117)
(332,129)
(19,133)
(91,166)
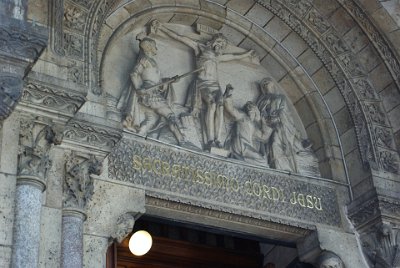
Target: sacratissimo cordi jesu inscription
(221,181)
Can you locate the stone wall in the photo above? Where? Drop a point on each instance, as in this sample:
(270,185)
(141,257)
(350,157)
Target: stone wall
(336,61)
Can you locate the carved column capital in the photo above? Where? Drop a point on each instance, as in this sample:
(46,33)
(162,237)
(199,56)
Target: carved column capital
(381,245)
(78,182)
(37,137)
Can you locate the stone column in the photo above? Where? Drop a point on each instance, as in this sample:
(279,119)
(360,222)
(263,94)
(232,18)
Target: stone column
(78,190)
(28,203)
(72,237)
(36,140)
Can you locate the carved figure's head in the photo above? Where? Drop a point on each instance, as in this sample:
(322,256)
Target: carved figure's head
(267,85)
(252,111)
(329,260)
(218,43)
(148,46)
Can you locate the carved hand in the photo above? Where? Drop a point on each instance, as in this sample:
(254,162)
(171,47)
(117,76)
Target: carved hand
(228,89)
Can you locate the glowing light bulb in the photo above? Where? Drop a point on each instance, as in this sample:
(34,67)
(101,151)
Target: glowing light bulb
(140,243)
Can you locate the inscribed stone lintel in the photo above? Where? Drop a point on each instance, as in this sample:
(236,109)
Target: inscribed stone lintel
(221,184)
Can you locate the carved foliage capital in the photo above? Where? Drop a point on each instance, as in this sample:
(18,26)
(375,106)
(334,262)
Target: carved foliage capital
(381,245)
(78,183)
(36,139)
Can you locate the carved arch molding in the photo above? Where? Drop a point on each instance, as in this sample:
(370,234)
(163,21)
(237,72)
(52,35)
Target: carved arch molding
(376,145)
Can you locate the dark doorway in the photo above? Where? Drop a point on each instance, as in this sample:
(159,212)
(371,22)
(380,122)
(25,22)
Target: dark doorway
(177,245)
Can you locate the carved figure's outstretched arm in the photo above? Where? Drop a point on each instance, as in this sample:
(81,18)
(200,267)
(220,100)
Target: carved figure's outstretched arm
(230,57)
(157,26)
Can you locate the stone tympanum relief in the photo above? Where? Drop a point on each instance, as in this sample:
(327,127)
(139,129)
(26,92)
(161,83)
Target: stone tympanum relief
(196,90)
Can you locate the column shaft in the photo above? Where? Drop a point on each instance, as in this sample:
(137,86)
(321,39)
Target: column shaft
(28,204)
(72,240)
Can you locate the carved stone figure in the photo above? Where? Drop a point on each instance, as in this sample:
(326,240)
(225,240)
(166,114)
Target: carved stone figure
(147,95)
(34,157)
(206,88)
(329,259)
(279,148)
(382,246)
(78,183)
(248,131)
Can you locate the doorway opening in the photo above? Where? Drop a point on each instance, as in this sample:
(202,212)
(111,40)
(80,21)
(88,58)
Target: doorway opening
(184,245)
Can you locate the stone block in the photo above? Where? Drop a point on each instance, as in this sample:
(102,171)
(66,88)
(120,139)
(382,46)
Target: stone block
(291,89)
(184,19)
(295,44)
(109,201)
(235,37)
(188,3)
(334,100)
(380,77)
(362,187)
(341,21)
(259,15)
(9,144)
(209,22)
(240,21)
(7,193)
(137,6)
(344,245)
(394,118)
(343,120)
(326,7)
(348,140)
(390,97)
(38,12)
(384,20)
(50,239)
(259,33)
(323,80)
(370,6)
(285,56)
(119,16)
(277,29)
(394,37)
(212,8)
(94,251)
(369,58)
(273,67)
(55,180)
(240,6)
(250,44)
(357,172)
(5,256)
(160,3)
(356,39)
(310,61)
(306,114)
